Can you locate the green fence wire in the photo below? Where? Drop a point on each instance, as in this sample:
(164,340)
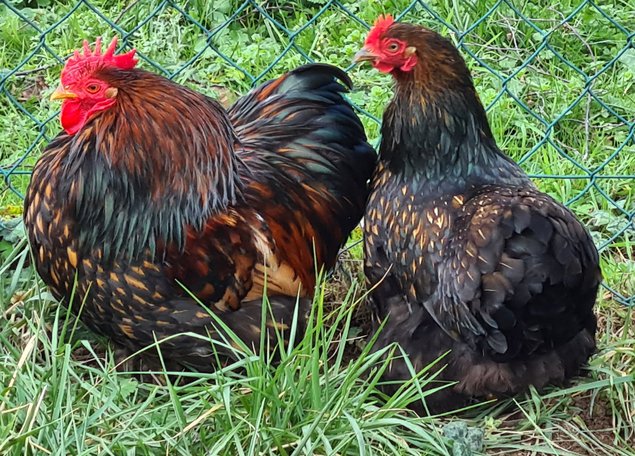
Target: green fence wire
(558,81)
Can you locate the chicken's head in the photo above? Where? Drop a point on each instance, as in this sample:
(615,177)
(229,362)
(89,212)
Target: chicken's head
(83,93)
(385,51)
(410,50)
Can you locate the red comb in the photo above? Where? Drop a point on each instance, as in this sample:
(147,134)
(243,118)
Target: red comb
(379,28)
(89,61)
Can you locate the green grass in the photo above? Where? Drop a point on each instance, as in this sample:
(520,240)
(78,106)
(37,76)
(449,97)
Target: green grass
(62,394)
(60,391)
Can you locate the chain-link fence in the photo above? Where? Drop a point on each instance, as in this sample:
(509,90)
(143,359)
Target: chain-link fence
(558,80)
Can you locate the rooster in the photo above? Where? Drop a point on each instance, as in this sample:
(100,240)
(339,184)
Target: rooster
(156,208)
(465,255)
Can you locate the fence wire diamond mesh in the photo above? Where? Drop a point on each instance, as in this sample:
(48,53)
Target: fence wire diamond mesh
(558,81)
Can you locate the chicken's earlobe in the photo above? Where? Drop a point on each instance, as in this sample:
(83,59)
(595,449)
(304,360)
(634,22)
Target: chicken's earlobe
(111,92)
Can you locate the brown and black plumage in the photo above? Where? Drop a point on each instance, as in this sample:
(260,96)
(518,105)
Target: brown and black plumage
(464,252)
(154,192)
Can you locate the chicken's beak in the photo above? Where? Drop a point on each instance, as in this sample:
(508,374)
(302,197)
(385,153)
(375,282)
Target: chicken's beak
(62,94)
(363,55)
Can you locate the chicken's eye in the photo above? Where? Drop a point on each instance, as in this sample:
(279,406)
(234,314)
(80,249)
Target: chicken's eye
(92,88)
(392,47)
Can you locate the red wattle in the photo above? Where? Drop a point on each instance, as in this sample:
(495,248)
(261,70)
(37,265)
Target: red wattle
(72,116)
(383,67)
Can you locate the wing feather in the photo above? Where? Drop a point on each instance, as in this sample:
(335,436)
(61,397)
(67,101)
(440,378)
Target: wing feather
(506,290)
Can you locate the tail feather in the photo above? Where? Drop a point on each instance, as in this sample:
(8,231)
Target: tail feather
(303,116)
(305,148)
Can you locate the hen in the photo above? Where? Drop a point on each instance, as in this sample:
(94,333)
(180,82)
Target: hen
(465,254)
(155,198)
